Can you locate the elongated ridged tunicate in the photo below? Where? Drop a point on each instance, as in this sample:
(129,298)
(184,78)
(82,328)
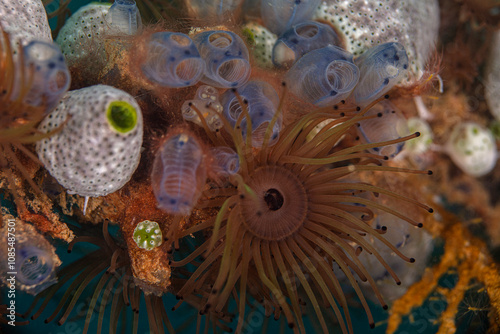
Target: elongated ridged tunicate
(50,75)
(261,103)
(207,103)
(300,39)
(281,15)
(178,174)
(124,17)
(99,147)
(380,68)
(472,148)
(173,60)
(212,8)
(388,124)
(324,76)
(226,58)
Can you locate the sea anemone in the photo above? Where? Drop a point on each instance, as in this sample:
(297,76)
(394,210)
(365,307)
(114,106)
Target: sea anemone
(290,212)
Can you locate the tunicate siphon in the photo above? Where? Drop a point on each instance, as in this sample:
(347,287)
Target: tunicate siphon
(178,173)
(124,17)
(281,15)
(300,39)
(207,103)
(173,60)
(324,76)
(226,58)
(388,124)
(261,103)
(381,67)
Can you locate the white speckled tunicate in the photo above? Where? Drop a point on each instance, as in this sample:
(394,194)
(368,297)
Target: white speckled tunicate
(472,148)
(81,33)
(366,23)
(98,150)
(492,86)
(261,42)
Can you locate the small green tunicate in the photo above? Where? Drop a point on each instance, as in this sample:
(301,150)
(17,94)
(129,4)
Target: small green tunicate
(147,235)
(122,116)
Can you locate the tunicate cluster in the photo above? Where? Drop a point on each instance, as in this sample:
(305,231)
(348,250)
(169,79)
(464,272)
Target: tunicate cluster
(173,60)
(178,173)
(261,102)
(125,17)
(46,68)
(387,123)
(226,58)
(147,235)
(207,103)
(472,148)
(98,149)
(301,39)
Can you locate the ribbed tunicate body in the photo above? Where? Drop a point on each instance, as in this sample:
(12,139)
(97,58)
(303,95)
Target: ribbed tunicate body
(178,174)
(91,155)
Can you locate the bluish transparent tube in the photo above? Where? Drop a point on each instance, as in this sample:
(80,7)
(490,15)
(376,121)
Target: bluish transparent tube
(173,60)
(226,58)
(301,39)
(281,15)
(262,104)
(125,17)
(324,76)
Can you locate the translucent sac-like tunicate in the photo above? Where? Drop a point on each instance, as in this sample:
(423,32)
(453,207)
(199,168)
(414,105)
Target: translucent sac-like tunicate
(226,58)
(207,103)
(46,68)
(261,103)
(173,60)
(225,162)
(34,265)
(388,123)
(381,67)
(147,235)
(324,76)
(300,39)
(218,9)
(124,17)
(281,15)
(178,174)
(472,148)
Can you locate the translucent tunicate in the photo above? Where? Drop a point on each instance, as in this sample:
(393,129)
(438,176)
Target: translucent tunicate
(226,58)
(422,143)
(389,124)
(212,8)
(225,161)
(380,68)
(178,174)
(125,17)
(472,148)
(34,265)
(300,39)
(173,60)
(207,103)
(324,76)
(261,103)
(281,15)
(147,235)
(48,72)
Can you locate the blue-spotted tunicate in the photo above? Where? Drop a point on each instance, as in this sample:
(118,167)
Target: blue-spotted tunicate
(472,148)
(124,17)
(225,162)
(98,149)
(50,78)
(173,60)
(381,67)
(178,173)
(226,58)
(207,103)
(281,15)
(324,76)
(300,39)
(261,102)
(388,123)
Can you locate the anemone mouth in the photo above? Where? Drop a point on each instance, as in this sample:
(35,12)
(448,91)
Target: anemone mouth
(281,206)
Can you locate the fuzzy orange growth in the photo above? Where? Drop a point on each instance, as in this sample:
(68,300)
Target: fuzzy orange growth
(292,211)
(469,256)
